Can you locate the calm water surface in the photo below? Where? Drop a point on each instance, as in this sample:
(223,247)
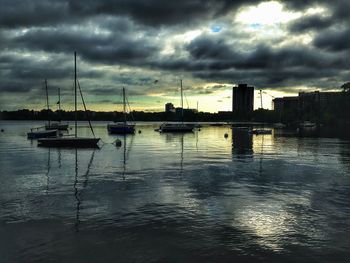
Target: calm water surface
(175,198)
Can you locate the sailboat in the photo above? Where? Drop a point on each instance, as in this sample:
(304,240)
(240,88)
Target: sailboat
(122,127)
(261,131)
(177,127)
(57,125)
(36,133)
(73,142)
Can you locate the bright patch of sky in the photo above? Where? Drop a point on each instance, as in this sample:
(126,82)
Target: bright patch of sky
(267,13)
(216,28)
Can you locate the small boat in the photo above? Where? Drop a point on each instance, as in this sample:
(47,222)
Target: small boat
(308,125)
(279,125)
(57,126)
(73,142)
(41,134)
(261,131)
(177,127)
(121,127)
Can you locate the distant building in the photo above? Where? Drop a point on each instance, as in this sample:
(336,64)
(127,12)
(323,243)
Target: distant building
(317,98)
(169,107)
(285,104)
(242,100)
(306,105)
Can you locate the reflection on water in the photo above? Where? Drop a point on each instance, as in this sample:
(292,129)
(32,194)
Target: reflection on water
(175,197)
(242,142)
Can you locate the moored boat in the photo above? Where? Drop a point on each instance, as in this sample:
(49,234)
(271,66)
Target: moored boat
(57,126)
(41,134)
(122,127)
(177,127)
(73,142)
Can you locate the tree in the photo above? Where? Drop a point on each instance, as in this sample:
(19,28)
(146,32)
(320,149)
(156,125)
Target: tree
(346,87)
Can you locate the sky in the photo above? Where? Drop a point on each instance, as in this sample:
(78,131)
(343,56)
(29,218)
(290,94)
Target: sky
(147,46)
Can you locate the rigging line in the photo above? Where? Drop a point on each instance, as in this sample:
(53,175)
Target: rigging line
(87,115)
(130,147)
(132,116)
(186,101)
(88,170)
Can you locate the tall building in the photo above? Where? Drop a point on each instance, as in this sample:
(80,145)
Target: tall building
(169,107)
(242,100)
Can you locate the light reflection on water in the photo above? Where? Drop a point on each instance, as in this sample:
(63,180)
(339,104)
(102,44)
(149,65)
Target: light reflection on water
(175,197)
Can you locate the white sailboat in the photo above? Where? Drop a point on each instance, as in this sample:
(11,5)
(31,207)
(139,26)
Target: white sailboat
(122,127)
(73,142)
(177,127)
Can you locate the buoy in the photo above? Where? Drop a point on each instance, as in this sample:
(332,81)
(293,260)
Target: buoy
(118,143)
(226,135)
(2,130)
(139,131)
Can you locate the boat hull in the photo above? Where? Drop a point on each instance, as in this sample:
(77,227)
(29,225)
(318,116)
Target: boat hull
(57,126)
(69,142)
(121,129)
(41,134)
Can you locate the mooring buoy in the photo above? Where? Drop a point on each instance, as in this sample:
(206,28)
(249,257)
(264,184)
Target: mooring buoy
(118,143)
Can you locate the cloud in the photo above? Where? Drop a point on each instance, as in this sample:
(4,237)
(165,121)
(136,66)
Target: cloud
(314,22)
(333,40)
(133,43)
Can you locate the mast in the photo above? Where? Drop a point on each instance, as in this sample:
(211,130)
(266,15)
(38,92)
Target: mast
(124,106)
(261,103)
(182,103)
(75,91)
(59,104)
(47,103)
(59,99)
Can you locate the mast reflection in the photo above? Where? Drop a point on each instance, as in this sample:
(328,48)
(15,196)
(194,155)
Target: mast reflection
(78,192)
(48,171)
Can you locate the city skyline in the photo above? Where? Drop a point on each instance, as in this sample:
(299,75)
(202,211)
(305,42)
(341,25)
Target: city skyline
(282,47)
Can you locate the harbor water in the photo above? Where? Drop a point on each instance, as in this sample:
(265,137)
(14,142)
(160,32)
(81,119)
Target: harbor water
(195,197)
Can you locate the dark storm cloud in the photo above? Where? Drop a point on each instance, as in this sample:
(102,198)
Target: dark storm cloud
(338,14)
(333,40)
(13,67)
(14,87)
(214,59)
(37,40)
(314,22)
(16,13)
(209,54)
(107,48)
